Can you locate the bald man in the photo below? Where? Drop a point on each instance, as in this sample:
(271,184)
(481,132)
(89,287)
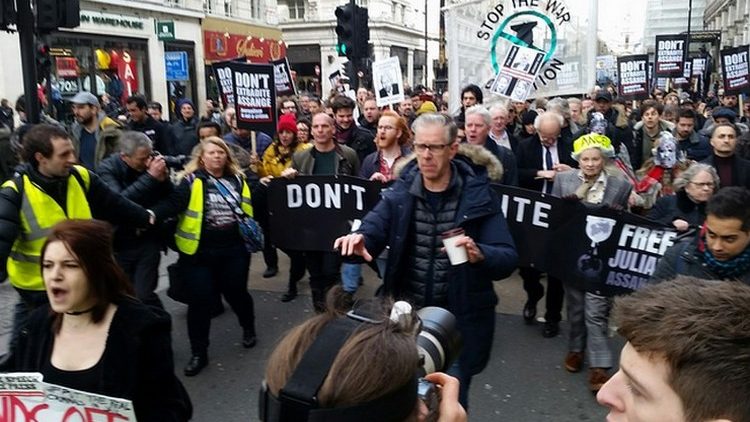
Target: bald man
(326,157)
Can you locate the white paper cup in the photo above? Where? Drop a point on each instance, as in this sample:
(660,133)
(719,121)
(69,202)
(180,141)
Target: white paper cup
(456,254)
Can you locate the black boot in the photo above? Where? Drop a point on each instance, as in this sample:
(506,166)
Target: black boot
(289,296)
(318,300)
(248,338)
(195,365)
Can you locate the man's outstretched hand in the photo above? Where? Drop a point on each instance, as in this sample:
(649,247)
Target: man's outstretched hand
(352,244)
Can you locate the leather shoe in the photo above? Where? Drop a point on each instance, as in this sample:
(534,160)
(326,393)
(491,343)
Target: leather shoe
(248,338)
(529,311)
(288,296)
(195,365)
(270,272)
(597,378)
(574,361)
(551,329)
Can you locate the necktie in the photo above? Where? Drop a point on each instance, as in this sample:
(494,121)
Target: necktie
(550,165)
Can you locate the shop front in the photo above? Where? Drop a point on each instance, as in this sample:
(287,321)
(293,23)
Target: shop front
(225,40)
(305,61)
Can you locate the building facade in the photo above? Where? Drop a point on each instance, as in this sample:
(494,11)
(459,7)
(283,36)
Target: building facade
(154,48)
(732,18)
(665,17)
(397,28)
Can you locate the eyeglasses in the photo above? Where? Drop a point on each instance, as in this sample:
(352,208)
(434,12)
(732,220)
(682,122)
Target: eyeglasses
(704,185)
(433,148)
(386,128)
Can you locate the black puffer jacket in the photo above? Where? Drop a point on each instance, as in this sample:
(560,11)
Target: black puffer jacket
(139,187)
(184,136)
(678,206)
(362,141)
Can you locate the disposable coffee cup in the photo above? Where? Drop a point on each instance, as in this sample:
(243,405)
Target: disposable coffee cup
(456,254)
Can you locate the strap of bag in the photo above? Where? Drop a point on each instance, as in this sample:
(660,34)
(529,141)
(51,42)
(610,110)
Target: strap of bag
(229,198)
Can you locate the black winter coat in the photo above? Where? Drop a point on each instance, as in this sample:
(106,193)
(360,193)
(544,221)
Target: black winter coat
(529,160)
(158,132)
(685,258)
(362,141)
(137,362)
(139,187)
(184,136)
(678,207)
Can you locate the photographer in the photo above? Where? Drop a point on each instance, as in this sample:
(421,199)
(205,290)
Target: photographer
(372,376)
(137,174)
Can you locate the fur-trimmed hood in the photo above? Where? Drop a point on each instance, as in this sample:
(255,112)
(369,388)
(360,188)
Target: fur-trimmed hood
(474,155)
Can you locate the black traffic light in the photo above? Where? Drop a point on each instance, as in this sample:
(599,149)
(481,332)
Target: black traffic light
(43,61)
(8,15)
(54,14)
(345,25)
(361,33)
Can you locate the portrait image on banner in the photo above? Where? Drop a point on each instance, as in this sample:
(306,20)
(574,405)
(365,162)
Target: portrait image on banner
(517,73)
(255,96)
(734,69)
(670,55)
(224,82)
(282,74)
(388,82)
(633,77)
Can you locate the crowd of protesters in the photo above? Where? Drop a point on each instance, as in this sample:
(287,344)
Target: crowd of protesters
(676,158)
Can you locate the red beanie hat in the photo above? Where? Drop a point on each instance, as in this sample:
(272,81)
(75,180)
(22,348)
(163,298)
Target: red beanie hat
(287,122)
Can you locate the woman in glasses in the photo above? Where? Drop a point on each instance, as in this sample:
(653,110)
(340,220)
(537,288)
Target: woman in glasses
(687,207)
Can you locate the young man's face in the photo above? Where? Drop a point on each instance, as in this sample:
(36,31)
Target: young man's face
(344,118)
(639,391)
(725,237)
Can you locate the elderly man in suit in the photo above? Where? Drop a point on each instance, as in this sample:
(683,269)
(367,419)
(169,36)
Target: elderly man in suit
(539,158)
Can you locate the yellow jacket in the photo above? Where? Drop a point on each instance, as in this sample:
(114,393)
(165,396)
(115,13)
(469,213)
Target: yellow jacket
(272,165)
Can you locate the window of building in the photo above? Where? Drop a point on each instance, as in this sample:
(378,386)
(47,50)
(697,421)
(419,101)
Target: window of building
(208,6)
(255,9)
(228,7)
(362,3)
(296,9)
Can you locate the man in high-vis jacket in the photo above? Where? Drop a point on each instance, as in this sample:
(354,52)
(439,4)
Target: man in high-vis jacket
(49,188)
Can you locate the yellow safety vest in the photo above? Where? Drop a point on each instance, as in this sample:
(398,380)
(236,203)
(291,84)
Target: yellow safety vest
(39,212)
(188,233)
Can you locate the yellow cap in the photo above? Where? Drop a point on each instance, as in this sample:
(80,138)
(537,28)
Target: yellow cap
(593,140)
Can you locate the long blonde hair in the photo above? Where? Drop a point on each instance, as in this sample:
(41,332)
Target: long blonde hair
(195,163)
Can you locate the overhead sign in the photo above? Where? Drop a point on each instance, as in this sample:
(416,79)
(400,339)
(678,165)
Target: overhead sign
(176,63)
(108,19)
(670,55)
(734,69)
(165,30)
(633,77)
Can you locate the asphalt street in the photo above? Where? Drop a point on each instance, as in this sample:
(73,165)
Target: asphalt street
(524,381)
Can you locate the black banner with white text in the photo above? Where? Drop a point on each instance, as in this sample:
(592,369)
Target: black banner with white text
(734,69)
(669,58)
(633,77)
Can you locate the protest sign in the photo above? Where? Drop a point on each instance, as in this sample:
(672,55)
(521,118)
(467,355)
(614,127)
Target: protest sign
(517,73)
(684,80)
(282,75)
(633,83)
(386,76)
(309,212)
(699,66)
(670,55)
(734,70)
(255,96)
(606,69)
(224,82)
(25,397)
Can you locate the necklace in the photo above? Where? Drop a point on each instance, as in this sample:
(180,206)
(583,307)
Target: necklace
(85,311)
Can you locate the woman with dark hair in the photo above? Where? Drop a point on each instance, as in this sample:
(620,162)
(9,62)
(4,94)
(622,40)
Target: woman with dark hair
(304,126)
(211,199)
(277,158)
(687,207)
(95,336)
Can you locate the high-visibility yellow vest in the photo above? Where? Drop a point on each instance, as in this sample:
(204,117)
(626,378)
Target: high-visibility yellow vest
(188,234)
(39,212)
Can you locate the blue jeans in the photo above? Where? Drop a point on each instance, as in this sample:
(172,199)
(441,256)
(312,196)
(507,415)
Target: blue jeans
(350,275)
(211,271)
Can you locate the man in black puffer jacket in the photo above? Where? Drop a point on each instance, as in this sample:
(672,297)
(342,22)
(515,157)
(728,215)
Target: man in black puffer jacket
(447,188)
(144,179)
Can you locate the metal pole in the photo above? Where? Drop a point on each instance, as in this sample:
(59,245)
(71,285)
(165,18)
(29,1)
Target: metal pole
(690,17)
(425,43)
(28,65)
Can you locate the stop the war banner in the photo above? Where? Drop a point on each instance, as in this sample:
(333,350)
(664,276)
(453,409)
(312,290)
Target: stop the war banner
(24,397)
(309,212)
(734,69)
(282,74)
(255,96)
(224,81)
(670,55)
(633,77)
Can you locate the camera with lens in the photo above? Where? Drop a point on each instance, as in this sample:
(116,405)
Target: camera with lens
(438,344)
(176,162)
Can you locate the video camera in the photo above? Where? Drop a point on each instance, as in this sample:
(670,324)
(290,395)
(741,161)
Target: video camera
(438,344)
(176,162)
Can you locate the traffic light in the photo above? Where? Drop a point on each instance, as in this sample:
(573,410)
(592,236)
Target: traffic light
(8,15)
(54,14)
(345,16)
(43,61)
(361,33)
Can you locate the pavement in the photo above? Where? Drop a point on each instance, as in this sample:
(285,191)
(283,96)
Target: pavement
(524,380)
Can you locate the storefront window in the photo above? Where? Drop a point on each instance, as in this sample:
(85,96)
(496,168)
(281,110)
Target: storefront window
(117,67)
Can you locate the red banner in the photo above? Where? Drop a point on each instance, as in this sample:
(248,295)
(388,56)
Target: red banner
(221,46)
(67,67)
(127,71)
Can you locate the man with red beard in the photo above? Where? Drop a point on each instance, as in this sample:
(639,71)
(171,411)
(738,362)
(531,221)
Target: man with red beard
(392,139)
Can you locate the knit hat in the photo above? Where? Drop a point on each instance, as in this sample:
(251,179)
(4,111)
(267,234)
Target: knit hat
(287,122)
(427,107)
(592,140)
(528,117)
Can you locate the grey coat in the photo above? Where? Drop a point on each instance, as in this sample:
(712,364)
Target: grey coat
(346,164)
(616,192)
